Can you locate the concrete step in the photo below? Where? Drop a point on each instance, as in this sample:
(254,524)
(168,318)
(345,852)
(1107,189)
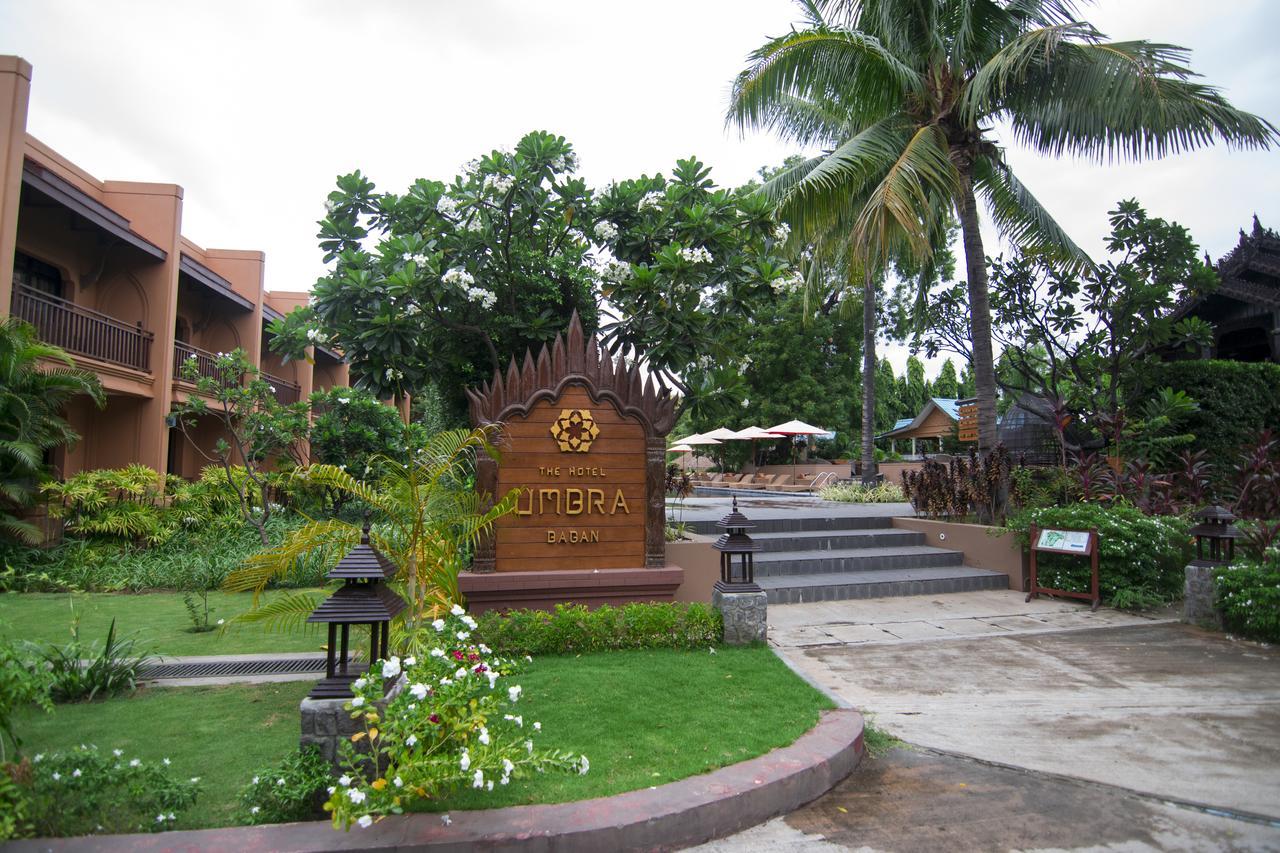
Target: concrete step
(791,563)
(838,540)
(797,524)
(840,586)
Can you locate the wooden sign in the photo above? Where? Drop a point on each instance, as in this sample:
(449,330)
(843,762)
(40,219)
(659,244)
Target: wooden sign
(968,426)
(1063,541)
(584,440)
(1082,543)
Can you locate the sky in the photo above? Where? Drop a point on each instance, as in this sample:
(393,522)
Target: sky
(255,107)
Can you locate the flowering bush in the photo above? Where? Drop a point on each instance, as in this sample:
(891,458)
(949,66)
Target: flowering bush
(572,628)
(84,791)
(856,493)
(290,790)
(1141,557)
(454,721)
(1249,597)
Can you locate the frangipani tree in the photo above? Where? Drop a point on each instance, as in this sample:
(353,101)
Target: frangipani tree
(445,282)
(925,84)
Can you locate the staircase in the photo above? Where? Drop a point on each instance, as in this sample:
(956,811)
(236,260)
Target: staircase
(831,559)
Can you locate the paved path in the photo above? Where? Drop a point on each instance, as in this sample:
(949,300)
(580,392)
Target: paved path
(1044,725)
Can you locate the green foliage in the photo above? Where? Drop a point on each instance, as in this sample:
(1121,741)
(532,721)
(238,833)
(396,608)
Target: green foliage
(1036,487)
(1235,400)
(856,493)
(289,790)
(1141,558)
(32,400)
(441,284)
(573,629)
(1248,594)
(455,723)
(20,684)
(84,672)
(83,791)
(352,429)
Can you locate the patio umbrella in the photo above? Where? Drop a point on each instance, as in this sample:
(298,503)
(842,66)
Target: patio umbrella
(680,448)
(696,440)
(796,428)
(754,433)
(722,434)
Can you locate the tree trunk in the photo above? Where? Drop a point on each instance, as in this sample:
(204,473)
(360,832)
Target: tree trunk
(984,370)
(868,377)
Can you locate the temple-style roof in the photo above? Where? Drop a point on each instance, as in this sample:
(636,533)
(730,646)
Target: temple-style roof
(905,427)
(354,603)
(1249,273)
(363,562)
(574,358)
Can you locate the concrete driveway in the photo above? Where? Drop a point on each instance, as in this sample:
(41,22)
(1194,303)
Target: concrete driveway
(1151,709)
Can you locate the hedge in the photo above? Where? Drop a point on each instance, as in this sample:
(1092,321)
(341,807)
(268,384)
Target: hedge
(1237,401)
(573,629)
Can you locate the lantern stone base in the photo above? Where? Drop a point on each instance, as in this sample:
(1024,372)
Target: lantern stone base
(1199,600)
(325,723)
(744,607)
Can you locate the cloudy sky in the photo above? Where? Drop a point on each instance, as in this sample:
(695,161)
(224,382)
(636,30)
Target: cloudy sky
(255,107)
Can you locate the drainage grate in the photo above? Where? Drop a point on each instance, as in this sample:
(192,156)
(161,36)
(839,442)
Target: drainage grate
(278,666)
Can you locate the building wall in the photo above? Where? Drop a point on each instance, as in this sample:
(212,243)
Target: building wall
(104,274)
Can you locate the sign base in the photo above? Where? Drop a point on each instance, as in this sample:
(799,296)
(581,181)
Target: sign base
(543,590)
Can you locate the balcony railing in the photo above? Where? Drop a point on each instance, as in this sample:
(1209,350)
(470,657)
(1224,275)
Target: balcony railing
(83,331)
(286,392)
(205,361)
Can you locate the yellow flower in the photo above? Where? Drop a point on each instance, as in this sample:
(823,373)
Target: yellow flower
(358,736)
(379,784)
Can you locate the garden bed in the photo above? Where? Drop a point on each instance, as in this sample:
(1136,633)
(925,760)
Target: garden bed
(644,717)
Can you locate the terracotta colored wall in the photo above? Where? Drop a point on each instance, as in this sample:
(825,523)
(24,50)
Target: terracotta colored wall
(997,553)
(701,564)
(15,93)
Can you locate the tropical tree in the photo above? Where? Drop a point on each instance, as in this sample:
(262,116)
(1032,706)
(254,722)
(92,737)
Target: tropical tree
(947,385)
(923,85)
(32,398)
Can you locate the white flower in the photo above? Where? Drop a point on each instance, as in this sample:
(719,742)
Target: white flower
(469,622)
(412,310)
(456,610)
(482,647)
(221,621)
(478,782)
(445,680)
(458,276)
(254,810)
(410,661)
(116,752)
(528,745)
(357,702)
(419,691)
(486,298)
(398,782)
(195,779)
(356,795)
(537,727)
(528,658)
(445,819)
(782,232)
(606,230)
(438,624)
(489,784)
(280,781)
(343,780)
(56,776)
(365,821)
(411,740)
(464,760)
(255,780)
(437,653)
(499,183)
(447,206)
(462,635)
(696,256)
(160,818)
(461,673)
(391,668)
(135,763)
(514,693)
(360,682)
(492,676)
(172,816)
(584,766)
(507,766)
(484,736)
(652,200)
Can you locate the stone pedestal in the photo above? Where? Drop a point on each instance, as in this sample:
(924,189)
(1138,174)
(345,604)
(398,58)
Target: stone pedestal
(744,608)
(1198,601)
(325,723)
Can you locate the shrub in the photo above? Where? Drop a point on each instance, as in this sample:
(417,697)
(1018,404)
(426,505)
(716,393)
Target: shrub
(1141,558)
(572,628)
(290,790)
(962,488)
(20,684)
(1237,400)
(79,672)
(455,722)
(856,493)
(1249,597)
(83,791)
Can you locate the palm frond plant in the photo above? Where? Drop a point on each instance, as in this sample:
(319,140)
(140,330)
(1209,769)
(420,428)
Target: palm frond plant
(428,519)
(915,90)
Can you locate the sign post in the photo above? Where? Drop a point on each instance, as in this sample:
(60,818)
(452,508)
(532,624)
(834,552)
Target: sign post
(1081,543)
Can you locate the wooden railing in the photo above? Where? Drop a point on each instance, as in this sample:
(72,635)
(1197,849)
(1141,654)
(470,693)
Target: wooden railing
(205,361)
(83,331)
(286,392)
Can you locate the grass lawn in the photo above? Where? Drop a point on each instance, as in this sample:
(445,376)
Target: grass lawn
(642,717)
(159,618)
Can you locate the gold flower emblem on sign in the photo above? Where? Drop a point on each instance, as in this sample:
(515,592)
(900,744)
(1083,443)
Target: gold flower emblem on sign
(574,430)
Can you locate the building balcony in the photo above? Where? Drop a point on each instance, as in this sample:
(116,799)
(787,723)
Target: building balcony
(286,392)
(83,331)
(205,361)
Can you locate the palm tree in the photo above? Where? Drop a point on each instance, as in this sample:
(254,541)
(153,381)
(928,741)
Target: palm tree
(923,83)
(32,397)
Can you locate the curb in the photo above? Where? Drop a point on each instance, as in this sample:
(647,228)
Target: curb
(685,812)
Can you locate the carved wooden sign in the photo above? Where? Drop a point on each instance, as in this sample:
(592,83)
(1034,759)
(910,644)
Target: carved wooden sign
(585,443)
